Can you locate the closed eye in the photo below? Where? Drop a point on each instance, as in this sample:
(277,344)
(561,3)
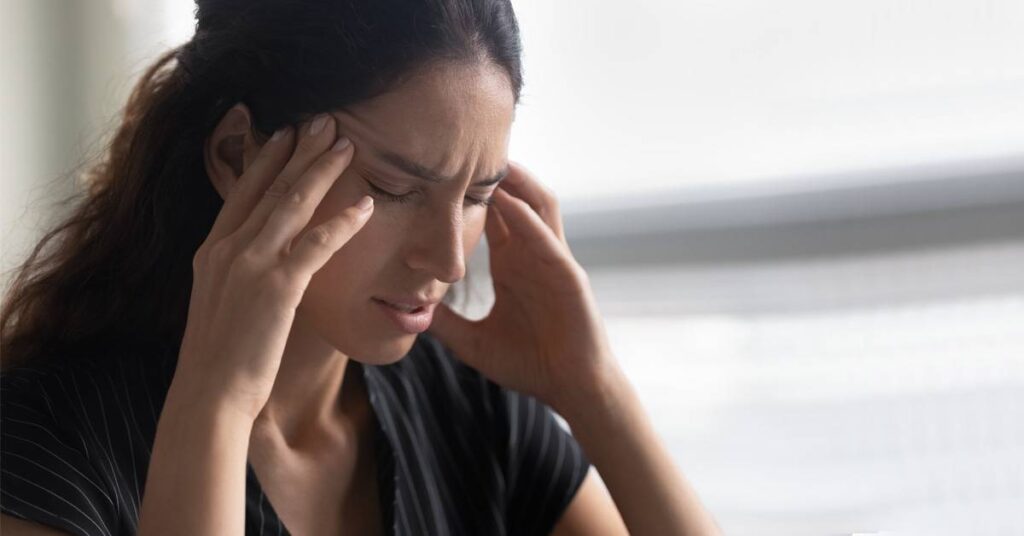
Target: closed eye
(407,197)
(486,202)
(388,196)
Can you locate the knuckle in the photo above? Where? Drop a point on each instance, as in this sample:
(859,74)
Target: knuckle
(320,236)
(296,199)
(353,221)
(247,260)
(581,274)
(243,268)
(278,188)
(199,259)
(549,196)
(288,204)
(220,252)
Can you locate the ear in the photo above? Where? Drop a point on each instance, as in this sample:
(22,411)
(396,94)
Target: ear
(230,149)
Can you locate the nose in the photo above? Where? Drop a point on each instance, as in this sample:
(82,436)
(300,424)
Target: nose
(438,246)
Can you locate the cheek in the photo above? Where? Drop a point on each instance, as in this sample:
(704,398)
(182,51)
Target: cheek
(473,229)
(351,271)
(366,255)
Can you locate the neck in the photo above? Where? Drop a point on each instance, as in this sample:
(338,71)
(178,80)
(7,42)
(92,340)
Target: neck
(317,389)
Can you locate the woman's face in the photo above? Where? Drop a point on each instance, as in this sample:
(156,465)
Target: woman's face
(452,122)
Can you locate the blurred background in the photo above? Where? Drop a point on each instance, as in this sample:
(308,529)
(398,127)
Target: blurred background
(803,221)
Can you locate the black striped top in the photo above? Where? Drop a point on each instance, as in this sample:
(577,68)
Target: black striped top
(457,453)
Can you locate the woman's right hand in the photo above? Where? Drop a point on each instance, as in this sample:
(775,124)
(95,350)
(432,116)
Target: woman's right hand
(250,273)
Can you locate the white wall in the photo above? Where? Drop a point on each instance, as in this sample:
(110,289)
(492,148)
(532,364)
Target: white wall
(69,67)
(649,95)
(866,378)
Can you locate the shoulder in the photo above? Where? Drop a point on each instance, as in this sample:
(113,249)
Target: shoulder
(71,395)
(16,526)
(76,436)
(49,473)
(46,394)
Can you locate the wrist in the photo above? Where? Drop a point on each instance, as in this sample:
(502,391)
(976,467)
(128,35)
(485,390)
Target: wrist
(194,398)
(603,391)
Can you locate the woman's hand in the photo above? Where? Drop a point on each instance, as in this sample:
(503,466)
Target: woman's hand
(252,271)
(544,336)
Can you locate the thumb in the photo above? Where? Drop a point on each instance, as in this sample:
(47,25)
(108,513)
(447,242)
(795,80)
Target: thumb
(456,332)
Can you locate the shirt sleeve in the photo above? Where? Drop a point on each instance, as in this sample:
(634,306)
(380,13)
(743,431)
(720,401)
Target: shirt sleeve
(545,464)
(44,475)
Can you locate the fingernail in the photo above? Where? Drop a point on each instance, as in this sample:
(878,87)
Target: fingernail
(318,124)
(340,144)
(365,203)
(277,134)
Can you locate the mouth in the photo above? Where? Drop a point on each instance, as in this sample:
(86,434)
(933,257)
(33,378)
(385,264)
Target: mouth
(406,305)
(408,317)
(405,308)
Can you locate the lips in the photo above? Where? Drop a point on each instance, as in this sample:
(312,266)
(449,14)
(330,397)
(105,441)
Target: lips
(407,303)
(403,307)
(408,317)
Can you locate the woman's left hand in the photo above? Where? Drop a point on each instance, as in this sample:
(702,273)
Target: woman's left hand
(544,336)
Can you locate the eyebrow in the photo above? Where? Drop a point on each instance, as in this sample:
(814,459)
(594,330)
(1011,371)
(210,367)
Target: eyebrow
(427,174)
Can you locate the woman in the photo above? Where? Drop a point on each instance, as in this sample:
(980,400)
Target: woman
(235,320)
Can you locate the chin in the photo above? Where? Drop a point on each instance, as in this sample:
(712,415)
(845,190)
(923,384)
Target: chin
(383,352)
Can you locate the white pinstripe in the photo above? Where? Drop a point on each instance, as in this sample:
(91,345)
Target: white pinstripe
(398,510)
(434,490)
(44,510)
(87,498)
(131,446)
(554,474)
(22,406)
(43,428)
(69,503)
(401,460)
(46,398)
(8,435)
(81,438)
(421,392)
(85,419)
(461,390)
(543,444)
(115,470)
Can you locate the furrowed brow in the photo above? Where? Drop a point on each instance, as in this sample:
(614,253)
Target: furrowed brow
(423,172)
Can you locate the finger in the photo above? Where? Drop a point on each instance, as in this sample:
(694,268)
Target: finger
(526,225)
(522,184)
(316,246)
(309,147)
(294,212)
(241,200)
(495,227)
(456,332)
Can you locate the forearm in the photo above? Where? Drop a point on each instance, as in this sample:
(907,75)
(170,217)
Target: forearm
(650,492)
(196,478)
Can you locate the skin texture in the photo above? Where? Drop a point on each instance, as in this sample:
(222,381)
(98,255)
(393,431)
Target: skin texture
(543,337)
(455,119)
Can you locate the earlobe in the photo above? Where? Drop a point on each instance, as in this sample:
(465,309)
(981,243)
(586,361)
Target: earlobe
(225,151)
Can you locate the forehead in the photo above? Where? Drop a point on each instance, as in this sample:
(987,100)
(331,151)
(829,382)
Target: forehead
(449,117)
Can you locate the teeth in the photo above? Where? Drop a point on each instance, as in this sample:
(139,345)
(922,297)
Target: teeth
(402,307)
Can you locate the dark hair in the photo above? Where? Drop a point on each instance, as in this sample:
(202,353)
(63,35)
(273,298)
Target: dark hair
(119,270)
